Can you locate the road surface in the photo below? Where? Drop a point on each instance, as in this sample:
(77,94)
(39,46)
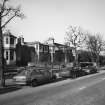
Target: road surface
(89,90)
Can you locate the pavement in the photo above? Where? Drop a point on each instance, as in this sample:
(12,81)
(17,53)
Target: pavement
(10,86)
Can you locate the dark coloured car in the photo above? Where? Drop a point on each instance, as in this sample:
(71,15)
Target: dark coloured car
(33,77)
(88,67)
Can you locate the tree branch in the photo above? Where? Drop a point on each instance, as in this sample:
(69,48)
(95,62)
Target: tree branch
(3,6)
(7,21)
(7,12)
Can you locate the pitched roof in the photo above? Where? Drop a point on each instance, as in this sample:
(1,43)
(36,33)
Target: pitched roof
(9,34)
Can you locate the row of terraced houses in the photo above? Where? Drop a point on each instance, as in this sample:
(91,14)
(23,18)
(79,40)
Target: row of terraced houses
(17,51)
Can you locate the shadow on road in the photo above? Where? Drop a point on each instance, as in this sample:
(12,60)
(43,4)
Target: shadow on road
(9,88)
(52,81)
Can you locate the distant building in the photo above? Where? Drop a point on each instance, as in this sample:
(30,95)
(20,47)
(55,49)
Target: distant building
(54,48)
(9,45)
(102,53)
(16,51)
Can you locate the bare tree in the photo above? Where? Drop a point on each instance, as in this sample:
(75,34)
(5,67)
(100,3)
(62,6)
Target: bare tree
(95,44)
(7,13)
(75,38)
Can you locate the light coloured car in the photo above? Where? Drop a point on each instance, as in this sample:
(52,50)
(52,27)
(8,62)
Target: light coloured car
(33,77)
(56,72)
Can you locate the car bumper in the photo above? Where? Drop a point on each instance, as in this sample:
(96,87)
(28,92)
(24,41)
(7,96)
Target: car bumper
(20,82)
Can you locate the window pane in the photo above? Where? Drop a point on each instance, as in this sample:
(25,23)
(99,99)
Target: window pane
(6,55)
(11,55)
(6,40)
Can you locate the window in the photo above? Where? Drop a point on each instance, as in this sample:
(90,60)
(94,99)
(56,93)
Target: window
(6,55)
(40,47)
(7,40)
(45,48)
(35,72)
(11,40)
(11,55)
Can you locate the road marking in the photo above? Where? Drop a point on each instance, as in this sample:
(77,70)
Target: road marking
(81,88)
(103,78)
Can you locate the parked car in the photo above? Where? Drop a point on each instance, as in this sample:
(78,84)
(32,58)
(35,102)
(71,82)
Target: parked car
(64,73)
(56,72)
(88,67)
(76,71)
(33,77)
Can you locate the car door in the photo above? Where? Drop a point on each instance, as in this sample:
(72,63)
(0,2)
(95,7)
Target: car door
(37,76)
(46,75)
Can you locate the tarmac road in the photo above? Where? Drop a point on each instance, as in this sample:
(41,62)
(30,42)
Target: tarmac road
(88,90)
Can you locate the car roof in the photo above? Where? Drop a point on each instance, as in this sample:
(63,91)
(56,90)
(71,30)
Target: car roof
(86,62)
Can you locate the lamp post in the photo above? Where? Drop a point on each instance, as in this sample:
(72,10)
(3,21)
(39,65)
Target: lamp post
(52,56)
(52,53)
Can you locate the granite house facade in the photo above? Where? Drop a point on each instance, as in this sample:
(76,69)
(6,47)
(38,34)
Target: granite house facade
(19,52)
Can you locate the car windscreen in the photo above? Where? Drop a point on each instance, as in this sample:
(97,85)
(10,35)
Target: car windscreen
(35,71)
(86,64)
(24,72)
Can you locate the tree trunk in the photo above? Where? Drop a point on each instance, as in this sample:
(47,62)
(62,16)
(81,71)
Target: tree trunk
(65,57)
(76,58)
(98,60)
(1,56)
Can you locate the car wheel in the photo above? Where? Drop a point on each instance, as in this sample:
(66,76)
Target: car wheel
(34,83)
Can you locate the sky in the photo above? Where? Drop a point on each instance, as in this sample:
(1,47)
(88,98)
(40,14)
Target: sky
(51,18)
